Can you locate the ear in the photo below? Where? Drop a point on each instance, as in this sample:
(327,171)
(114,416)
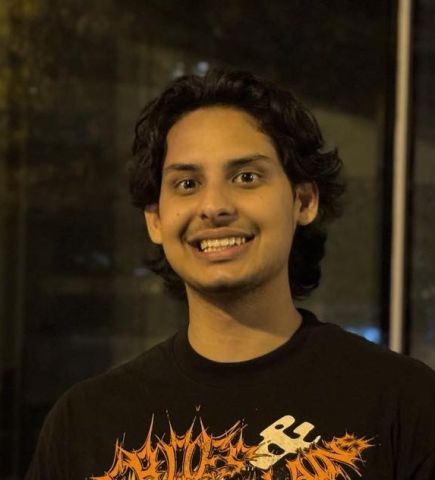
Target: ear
(152,221)
(306,202)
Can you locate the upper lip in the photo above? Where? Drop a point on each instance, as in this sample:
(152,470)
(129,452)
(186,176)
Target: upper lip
(217,234)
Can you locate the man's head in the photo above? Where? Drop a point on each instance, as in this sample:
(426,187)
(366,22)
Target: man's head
(231,155)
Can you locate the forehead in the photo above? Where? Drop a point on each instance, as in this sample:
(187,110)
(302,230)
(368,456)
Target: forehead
(216,133)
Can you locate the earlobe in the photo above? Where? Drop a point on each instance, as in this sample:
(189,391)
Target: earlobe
(152,221)
(307,201)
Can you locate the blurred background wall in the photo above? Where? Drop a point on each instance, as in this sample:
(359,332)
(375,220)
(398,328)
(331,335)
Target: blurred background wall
(75,298)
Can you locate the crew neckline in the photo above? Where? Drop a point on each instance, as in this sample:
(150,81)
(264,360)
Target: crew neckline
(209,372)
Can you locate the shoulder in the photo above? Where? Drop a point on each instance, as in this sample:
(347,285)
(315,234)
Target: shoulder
(362,360)
(393,387)
(92,414)
(132,379)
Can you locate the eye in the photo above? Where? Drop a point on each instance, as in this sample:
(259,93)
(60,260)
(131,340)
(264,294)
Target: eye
(186,184)
(247,177)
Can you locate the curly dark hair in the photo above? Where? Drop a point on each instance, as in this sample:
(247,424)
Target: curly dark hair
(296,137)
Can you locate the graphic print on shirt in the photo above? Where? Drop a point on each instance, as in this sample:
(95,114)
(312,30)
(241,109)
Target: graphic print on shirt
(283,454)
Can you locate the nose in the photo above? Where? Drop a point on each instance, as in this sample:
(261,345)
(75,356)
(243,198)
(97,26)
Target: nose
(216,205)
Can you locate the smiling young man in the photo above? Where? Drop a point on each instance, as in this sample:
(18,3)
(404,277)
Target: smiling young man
(235,188)
(226,218)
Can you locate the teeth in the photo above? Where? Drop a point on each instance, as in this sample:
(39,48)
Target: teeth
(220,243)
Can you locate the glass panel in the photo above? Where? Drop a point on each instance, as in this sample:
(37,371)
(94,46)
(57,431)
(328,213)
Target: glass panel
(75,297)
(422,337)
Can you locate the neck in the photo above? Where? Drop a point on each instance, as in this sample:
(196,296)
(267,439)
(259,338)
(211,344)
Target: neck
(239,328)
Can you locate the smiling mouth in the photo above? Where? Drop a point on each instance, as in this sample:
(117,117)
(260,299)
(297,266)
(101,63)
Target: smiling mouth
(219,244)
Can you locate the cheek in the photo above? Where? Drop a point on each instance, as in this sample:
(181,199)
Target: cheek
(280,221)
(174,222)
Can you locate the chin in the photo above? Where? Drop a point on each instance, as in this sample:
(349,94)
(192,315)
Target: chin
(223,287)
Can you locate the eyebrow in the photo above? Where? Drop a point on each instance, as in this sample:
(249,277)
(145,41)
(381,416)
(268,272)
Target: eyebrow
(229,165)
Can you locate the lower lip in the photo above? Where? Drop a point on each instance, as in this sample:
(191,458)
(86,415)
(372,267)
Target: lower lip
(225,254)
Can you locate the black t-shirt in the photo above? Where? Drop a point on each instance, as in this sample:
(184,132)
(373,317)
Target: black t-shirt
(325,405)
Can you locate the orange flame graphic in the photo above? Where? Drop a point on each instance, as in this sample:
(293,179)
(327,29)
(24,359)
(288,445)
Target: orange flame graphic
(327,461)
(216,457)
(209,457)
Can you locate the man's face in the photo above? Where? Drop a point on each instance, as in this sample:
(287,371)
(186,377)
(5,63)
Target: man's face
(227,213)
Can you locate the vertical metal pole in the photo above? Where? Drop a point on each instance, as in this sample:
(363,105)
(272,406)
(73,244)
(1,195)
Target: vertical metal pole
(400,158)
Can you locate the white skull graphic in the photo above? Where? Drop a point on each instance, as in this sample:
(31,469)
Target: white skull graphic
(267,453)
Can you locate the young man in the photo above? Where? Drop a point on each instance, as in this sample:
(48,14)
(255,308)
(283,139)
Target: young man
(236,191)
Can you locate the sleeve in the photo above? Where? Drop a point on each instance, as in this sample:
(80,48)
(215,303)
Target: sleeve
(416,432)
(50,460)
